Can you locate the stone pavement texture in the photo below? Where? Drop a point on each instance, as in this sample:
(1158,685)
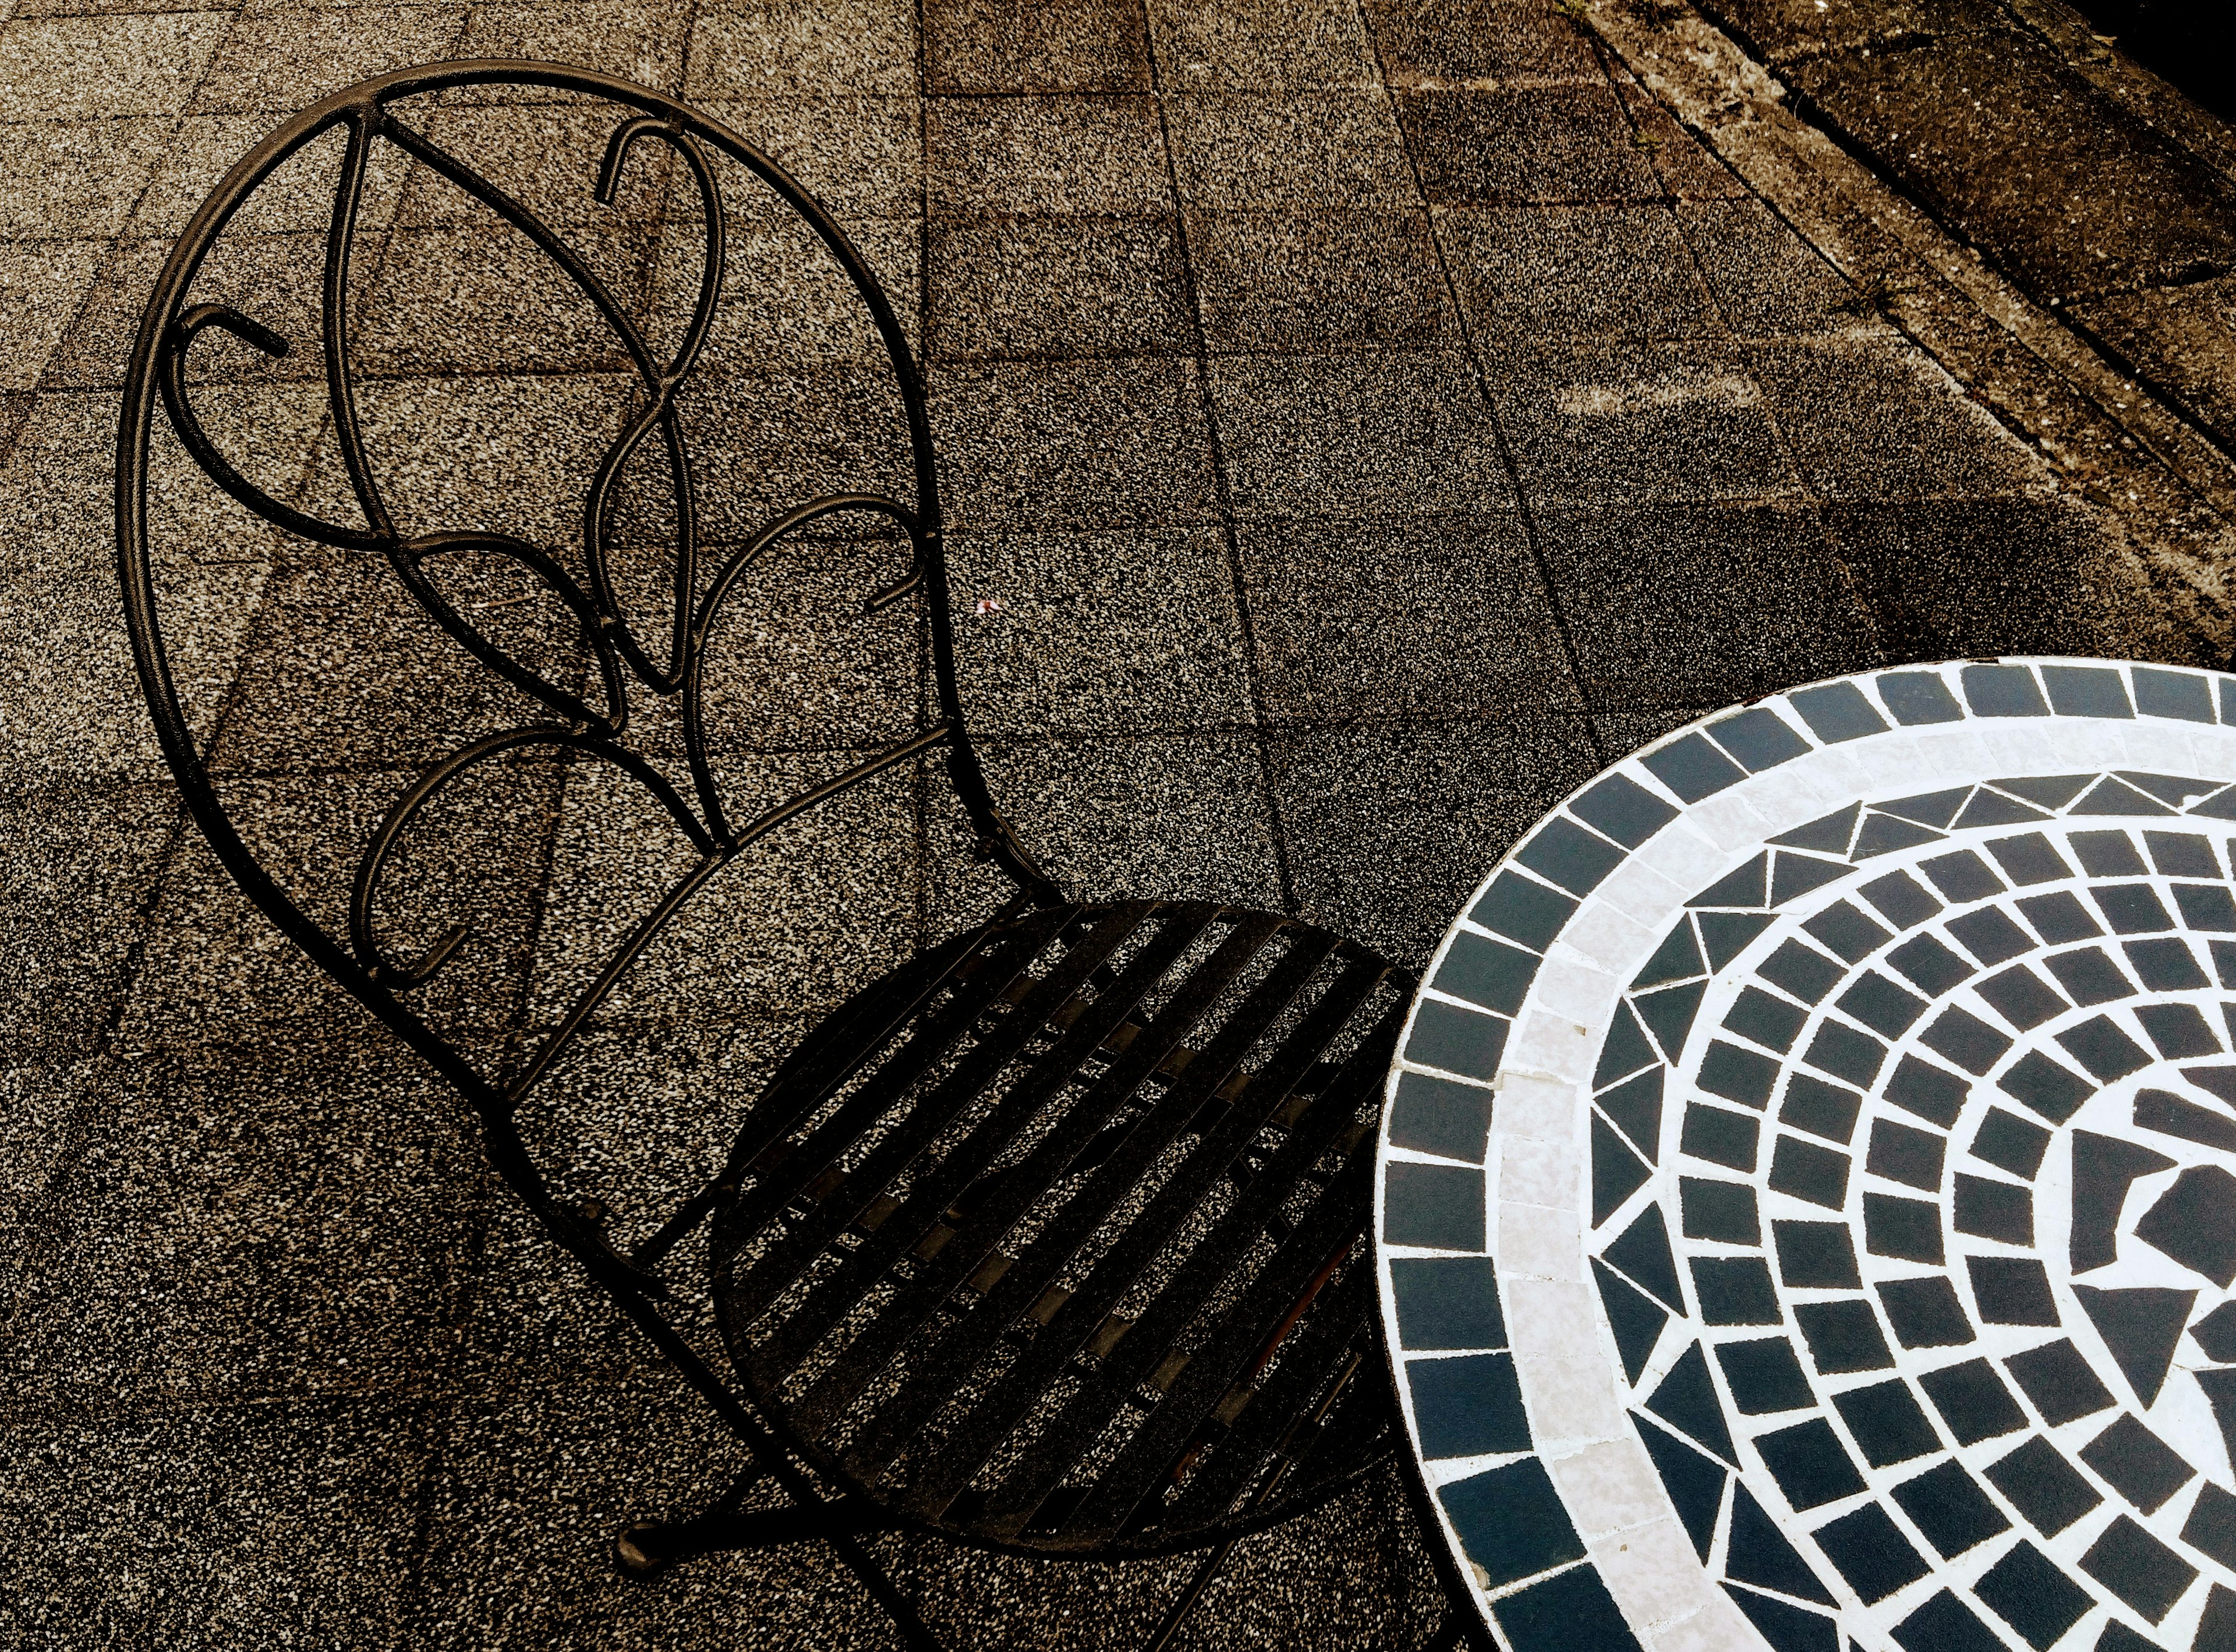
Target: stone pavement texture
(1359,425)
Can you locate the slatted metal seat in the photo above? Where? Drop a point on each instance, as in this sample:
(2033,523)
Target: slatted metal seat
(1054,1239)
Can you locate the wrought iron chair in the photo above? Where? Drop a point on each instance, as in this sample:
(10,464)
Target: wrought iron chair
(1052,1241)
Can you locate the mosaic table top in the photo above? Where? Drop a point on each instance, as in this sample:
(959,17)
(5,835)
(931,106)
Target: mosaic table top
(1805,1198)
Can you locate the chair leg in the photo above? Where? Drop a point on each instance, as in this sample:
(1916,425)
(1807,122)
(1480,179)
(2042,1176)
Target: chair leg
(649,1549)
(1177,1613)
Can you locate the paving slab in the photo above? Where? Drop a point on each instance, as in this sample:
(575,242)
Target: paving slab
(1356,426)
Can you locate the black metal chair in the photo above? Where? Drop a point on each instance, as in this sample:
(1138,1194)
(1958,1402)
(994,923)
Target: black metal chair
(1053,1241)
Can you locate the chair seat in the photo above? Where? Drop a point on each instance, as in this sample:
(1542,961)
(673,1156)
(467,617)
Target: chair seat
(1055,1239)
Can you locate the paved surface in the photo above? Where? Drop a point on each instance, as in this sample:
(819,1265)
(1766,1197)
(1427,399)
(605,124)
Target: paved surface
(1359,426)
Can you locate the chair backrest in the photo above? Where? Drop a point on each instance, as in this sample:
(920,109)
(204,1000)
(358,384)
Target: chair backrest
(630,647)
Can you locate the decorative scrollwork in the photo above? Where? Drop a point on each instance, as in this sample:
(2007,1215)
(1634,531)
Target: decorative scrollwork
(663,652)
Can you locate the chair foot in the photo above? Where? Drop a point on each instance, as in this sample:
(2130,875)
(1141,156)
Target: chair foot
(646,1548)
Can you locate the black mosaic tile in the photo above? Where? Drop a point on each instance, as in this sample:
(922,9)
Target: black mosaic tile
(2166,965)
(1437,1115)
(2223,965)
(2001,691)
(1756,1552)
(2054,1091)
(1846,1053)
(1446,1302)
(1734,1290)
(1989,807)
(2103,1167)
(2011,1143)
(1802,971)
(1759,737)
(2142,1326)
(1821,1108)
(2139,1465)
(2010,1290)
(2022,998)
(1727,934)
(1965,1039)
(1669,1014)
(2109,796)
(1973,1402)
(1936,809)
(1723,1211)
(1931,1092)
(2107,855)
(2194,1222)
(2173,693)
(1527,912)
(1695,1484)
(1905,1154)
(1990,937)
(2089,976)
(1946,1624)
(1617,1172)
(1570,1612)
(2169,1115)
(1871,1552)
(2211,1528)
(2104,1050)
(2028,858)
(1562,853)
(1510,1521)
(2027,1590)
(1623,809)
(1467,1406)
(1433,1206)
(1930,965)
(1887,1422)
(2048,1490)
(1843,1336)
(1693,768)
(1925,1313)
(1810,1465)
(1737,1074)
(1719,1136)
(1635,1317)
(1995,1210)
(1906,902)
(2182,854)
(1884,833)
(2085,691)
(2131,909)
(1916,697)
(1487,972)
(2057,1379)
(1881,1004)
(1634,1105)
(1787,1628)
(1763,1376)
(2051,791)
(1948,1505)
(2139,1568)
(1845,931)
(1457,1040)
(1816,1255)
(2179,1030)
(1807,1171)
(2216,1625)
(1678,958)
(1747,885)
(1795,875)
(2216,1334)
(1962,877)
(1837,711)
(2210,907)
(1626,1050)
(1907,1229)
(1772,1022)
(1642,1252)
(1686,1400)
(1829,835)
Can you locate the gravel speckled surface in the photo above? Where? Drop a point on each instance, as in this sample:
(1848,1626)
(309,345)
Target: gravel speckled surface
(1358,425)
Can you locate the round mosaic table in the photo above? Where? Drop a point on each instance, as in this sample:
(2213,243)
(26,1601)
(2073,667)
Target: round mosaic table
(1806,1208)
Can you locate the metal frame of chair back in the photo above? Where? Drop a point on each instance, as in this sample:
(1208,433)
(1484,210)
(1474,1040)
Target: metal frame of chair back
(1053,1242)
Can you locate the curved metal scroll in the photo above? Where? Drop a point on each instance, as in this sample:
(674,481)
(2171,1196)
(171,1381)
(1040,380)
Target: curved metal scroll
(663,654)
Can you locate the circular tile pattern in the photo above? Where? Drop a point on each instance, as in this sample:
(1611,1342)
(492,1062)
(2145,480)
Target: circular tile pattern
(1808,1192)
